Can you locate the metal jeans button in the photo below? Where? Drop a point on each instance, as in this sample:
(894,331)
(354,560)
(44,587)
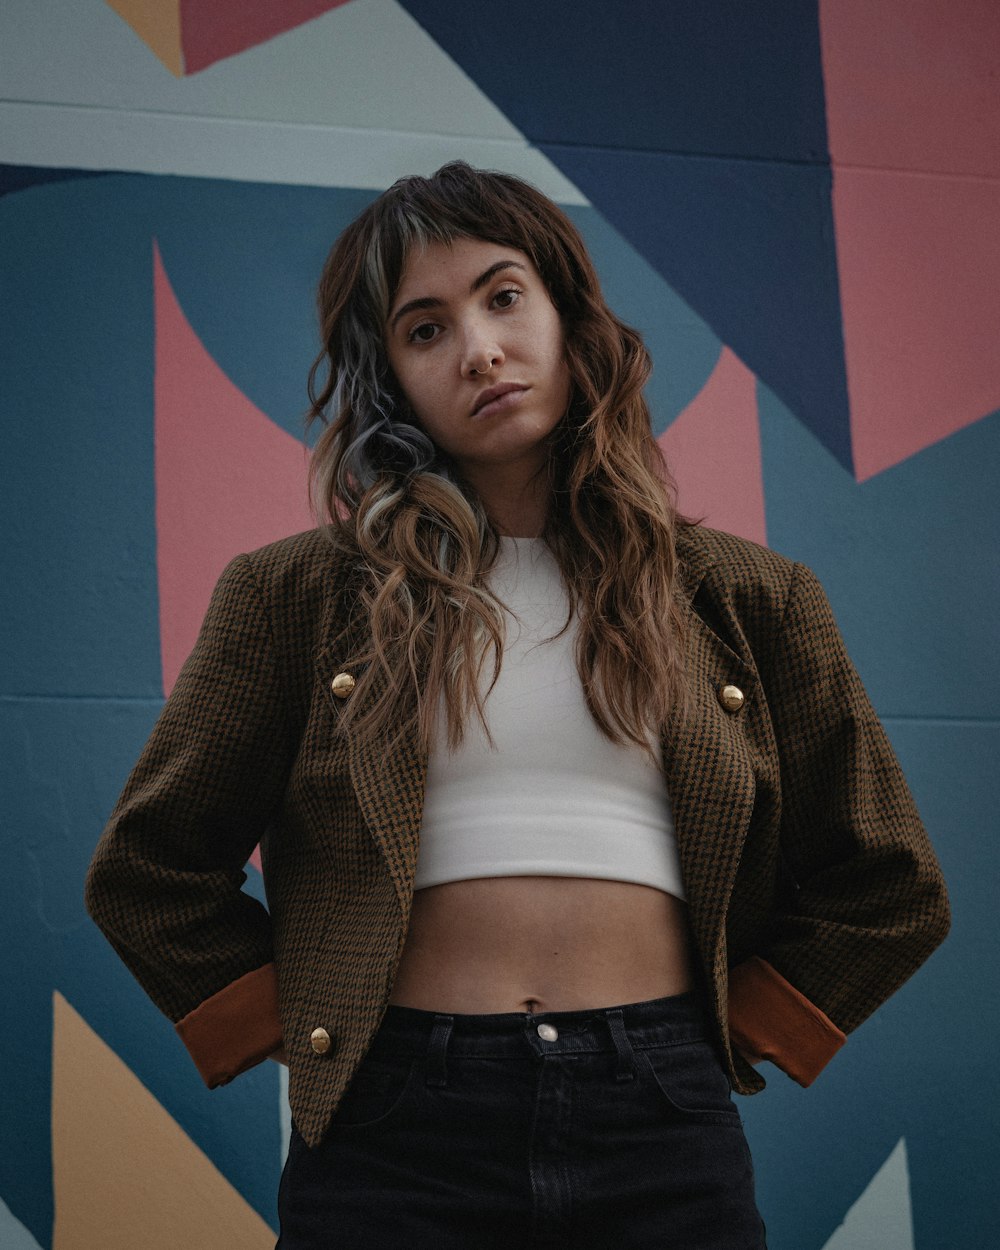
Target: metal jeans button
(548,1033)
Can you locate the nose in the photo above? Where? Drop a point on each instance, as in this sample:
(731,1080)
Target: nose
(481,351)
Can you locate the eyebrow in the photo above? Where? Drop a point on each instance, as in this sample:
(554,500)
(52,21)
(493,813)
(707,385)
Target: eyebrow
(431,301)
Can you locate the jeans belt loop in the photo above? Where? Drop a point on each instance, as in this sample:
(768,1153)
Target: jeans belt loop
(437,1050)
(626,1069)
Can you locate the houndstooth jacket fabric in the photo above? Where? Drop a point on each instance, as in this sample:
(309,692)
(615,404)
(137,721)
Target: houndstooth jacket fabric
(812,889)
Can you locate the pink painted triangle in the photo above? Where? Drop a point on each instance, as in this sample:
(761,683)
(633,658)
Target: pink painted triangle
(713,452)
(919,264)
(227,478)
(211,32)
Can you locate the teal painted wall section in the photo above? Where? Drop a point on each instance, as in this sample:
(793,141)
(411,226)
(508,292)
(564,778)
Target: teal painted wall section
(720,197)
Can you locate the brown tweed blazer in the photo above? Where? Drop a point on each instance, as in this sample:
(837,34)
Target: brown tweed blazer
(813,892)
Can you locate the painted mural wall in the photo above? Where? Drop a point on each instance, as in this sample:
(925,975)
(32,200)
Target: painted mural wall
(797,204)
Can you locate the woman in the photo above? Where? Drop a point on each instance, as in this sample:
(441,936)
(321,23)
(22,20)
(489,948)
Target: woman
(570,810)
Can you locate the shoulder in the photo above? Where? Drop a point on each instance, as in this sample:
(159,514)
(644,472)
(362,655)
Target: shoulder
(310,552)
(733,568)
(300,582)
(303,565)
(768,597)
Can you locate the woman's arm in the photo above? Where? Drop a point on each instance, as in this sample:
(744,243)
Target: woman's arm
(868,904)
(165,881)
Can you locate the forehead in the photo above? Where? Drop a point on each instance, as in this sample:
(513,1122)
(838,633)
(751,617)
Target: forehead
(459,262)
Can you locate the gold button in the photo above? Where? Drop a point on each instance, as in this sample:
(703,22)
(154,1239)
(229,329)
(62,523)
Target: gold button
(731,698)
(342,685)
(320,1041)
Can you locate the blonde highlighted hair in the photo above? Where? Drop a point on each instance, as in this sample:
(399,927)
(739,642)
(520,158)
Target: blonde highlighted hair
(421,536)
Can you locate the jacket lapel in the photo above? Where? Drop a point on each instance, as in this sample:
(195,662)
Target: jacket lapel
(710,774)
(388,785)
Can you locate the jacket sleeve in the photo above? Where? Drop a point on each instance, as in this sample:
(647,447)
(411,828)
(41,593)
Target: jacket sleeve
(165,881)
(868,903)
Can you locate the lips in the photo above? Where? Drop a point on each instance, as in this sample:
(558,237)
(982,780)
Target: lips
(493,393)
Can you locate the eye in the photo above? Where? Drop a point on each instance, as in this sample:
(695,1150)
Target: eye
(417,335)
(507,296)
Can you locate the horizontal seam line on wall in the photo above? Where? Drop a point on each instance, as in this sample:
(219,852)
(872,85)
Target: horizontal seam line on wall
(950,174)
(931,719)
(266,122)
(276,123)
(818,163)
(824,162)
(81,698)
(320,127)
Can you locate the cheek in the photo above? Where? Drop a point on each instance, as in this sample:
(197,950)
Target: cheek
(563,378)
(552,335)
(416,390)
(428,403)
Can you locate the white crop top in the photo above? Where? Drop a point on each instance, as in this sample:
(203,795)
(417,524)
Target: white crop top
(555,798)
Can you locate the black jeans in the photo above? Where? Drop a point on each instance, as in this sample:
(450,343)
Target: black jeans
(604,1128)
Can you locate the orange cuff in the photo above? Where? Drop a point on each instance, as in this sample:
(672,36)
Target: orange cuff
(234,1029)
(770,1019)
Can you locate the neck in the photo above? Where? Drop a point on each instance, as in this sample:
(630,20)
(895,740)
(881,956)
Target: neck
(518,508)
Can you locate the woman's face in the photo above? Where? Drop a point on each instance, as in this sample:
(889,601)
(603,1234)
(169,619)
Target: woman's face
(477,347)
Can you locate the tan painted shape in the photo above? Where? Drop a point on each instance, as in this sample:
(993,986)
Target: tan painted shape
(125,1174)
(158,24)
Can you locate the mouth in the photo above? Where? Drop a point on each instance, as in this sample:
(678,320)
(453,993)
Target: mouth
(494,397)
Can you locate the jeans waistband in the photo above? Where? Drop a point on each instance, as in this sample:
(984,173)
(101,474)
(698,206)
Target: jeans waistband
(654,1022)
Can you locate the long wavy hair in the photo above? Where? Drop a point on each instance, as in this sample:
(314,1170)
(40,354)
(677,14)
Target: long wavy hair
(422,537)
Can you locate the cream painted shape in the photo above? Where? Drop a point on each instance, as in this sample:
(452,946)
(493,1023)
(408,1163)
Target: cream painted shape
(125,1175)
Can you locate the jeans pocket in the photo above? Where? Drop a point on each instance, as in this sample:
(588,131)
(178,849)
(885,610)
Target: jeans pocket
(376,1092)
(691,1081)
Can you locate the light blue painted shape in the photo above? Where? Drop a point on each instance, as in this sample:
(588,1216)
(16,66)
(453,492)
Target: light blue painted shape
(284,1112)
(13,1234)
(341,67)
(322,104)
(881,1219)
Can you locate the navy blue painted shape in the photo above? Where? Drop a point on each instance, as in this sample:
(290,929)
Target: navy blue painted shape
(750,247)
(21,177)
(683,347)
(727,78)
(615,94)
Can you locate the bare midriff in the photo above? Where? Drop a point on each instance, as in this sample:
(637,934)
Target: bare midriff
(534,944)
